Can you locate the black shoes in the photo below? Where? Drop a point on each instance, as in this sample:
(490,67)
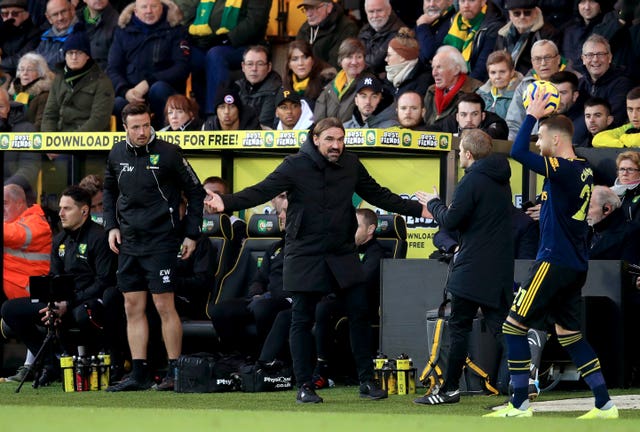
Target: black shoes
(167,384)
(439,398)
(130,384)
(370,390)
(306,394)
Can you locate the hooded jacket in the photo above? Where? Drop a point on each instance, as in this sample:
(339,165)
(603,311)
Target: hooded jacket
(481,212)
(157,52)
(142,195)
(321,220)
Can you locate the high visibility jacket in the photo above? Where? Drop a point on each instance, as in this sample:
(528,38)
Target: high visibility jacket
(27,251)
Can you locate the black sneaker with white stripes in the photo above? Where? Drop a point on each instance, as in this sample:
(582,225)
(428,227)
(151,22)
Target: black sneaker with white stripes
(439,398)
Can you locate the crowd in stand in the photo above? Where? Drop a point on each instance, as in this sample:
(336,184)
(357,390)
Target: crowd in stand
(458,65)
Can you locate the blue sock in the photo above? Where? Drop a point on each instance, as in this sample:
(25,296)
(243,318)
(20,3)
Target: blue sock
(588,365)
(519,362)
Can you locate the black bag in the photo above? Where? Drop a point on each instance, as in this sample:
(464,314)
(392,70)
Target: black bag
(207,373)
(259,379)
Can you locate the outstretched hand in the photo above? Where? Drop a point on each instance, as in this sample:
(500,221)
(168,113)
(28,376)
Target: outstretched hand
(213,203)
(424,197)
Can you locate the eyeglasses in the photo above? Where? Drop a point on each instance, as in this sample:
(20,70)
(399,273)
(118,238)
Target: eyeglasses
(12,14)
(27,70)
(545,59)
(75,53)
(259,64)
(599,55)
(628,170)
(521,12)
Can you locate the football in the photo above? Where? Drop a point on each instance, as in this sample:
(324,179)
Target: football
(545,87)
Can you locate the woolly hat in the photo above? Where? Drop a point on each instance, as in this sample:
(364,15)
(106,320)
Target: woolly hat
(78,41)
(229,96)
(405,44)
(520,4)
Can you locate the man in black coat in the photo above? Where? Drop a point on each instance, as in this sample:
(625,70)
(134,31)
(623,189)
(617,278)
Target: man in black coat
(471,114)
(18,34)
(320,181)
(482,271)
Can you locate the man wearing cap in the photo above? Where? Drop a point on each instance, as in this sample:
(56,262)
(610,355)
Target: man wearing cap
(81,97)
(326,27)
(259,84)
(149,56)
(526,25)
(374,107)
(62,19)
(231,114)
(100,20)
(382,25)
(292,111)
(18,34)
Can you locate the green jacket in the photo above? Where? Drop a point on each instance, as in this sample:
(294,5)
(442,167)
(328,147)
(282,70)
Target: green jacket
(84,108)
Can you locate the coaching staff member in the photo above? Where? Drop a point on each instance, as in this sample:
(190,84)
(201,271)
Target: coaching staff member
(144,179)
(320,257)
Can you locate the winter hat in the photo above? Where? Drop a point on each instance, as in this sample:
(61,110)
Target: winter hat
(78,41)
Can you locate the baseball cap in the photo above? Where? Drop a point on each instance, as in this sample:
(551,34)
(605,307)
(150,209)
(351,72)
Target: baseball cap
(286,95)
(313,3)
(369,81)
(14,3)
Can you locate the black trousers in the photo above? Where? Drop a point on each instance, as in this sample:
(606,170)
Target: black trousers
(460,324)
(303,345)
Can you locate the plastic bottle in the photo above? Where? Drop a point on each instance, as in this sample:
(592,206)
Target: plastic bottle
(66,364)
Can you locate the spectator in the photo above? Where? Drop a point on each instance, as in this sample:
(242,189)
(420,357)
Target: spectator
(498,91)
(470,114)
(382,25)
(473,32)
(602,79)
(62,19)
(526,25)
(265,298)
(320,260)
(326,28)
(597,117)
(231,113)
(19,167)
(336,99)
(100,20)
(626,185)
(80,250)
(306,74)
(259,84)
(292,112)
(94,185)
(567,84)
(404,70)
(449,71)
(432,26)
(627,135)
(26,240)
(81,97)
(593,16)
(149,57)
(181,114)
(219,36)
(611,237)
(410,110)
(146,236)
(19,34)
(32,85)
(374,108)
(546,61)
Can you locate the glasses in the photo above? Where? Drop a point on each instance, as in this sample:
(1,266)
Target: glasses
(628,170)
(522,12)
(259,64)
(27,70)
(545,59)
(74,53)
(311,9)
(12,14)
(599,55)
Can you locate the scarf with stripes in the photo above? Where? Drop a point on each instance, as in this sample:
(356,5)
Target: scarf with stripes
(462,32)
(201,27)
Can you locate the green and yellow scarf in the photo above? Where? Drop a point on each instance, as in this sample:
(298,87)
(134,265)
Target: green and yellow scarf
(200,26)
(462,32)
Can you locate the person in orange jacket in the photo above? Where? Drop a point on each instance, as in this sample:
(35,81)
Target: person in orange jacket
(27,242)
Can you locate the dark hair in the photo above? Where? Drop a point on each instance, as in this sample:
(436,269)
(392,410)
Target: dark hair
(563,77)
(472,98)
(324,124)
(477,142)
(370,217)
(79,195)
(634,93)
(595,101)
(216,179)
(92,184)
(316,79)
(133,109)
(560,123)
(258,48)
(500,57)
(181,102)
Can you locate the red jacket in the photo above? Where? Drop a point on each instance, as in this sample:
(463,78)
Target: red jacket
(27,251)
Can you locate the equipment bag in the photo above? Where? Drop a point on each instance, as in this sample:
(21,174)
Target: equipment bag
(256,378)
(207,373)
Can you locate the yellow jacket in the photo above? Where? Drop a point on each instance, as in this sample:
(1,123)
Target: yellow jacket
(617,138)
